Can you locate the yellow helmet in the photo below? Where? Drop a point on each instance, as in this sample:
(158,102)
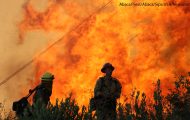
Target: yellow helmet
(47,77)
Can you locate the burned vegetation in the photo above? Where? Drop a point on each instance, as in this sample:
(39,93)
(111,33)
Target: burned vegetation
(175,105)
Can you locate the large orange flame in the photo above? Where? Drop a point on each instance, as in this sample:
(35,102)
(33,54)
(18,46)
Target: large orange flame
(143,43)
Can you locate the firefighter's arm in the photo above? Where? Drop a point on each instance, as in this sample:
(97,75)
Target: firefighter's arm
(97,89)
(118,90)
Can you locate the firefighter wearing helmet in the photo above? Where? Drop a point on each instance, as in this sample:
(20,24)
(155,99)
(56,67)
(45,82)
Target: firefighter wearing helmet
(44,90)
(107,90)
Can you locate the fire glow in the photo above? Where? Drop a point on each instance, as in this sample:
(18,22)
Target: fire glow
(143,43)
